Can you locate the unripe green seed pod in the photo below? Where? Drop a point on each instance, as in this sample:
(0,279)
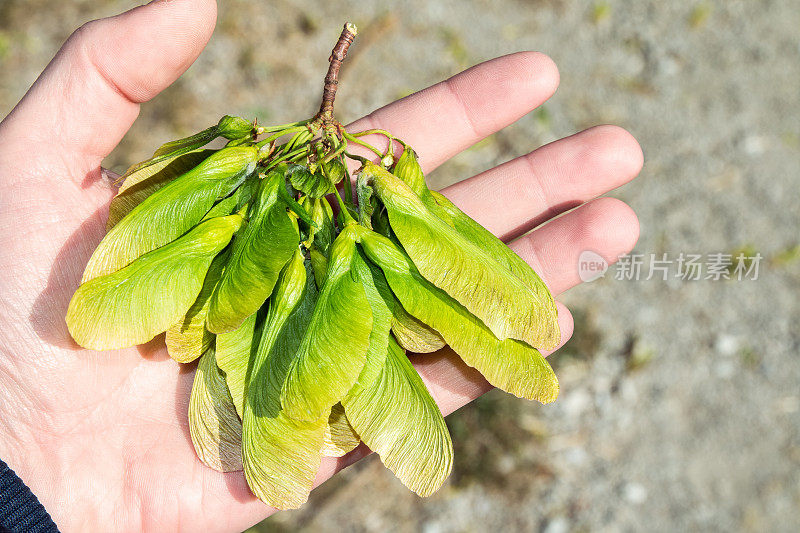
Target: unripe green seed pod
(407,169)
(232,127)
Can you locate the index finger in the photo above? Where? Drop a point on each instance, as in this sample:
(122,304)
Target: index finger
(446,118)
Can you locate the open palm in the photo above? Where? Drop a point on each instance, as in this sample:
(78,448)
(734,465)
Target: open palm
(102,437)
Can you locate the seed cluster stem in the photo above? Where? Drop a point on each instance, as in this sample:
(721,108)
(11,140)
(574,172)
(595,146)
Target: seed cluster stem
(338,54)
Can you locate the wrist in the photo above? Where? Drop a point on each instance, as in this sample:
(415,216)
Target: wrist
(20,509)
(22,488)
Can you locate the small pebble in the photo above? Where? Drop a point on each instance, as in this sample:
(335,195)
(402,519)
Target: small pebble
(726,344)
(558,524)
(635,493)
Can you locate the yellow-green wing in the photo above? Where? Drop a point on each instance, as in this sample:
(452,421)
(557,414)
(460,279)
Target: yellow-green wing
(281,455)
(133,305)
(141,183)
(398,419)
(188,339)
(508,364)
(172,210)
(466,271)
(228,127)
(191,142)
(258,254)
(335,344)
(233,354)
(381,302)
(496,248)
(213,424)
(165,154)
(234,202)
(408,169)
(412,334)
(340,437)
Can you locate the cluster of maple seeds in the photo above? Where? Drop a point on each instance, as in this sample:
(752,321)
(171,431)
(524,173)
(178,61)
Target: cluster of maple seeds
(301,316)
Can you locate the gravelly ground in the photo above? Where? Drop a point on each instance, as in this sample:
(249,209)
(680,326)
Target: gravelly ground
(681,399)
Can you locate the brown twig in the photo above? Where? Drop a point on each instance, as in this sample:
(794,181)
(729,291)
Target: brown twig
(338,54)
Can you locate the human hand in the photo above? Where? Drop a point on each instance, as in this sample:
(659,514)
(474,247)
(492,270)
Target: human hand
(102,437)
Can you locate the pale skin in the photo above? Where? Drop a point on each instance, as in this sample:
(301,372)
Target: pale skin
(101,437)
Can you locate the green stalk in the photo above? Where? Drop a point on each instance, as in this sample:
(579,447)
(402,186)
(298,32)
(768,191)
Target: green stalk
(299,139)
(348,219)
(339,149)
(355,157)
(358,141)
(280,134)
(378,132)
(271,129)
(290,156)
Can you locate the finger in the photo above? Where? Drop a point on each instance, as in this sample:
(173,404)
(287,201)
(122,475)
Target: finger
(89,94)
(606,226)
(518,195)
(442,120)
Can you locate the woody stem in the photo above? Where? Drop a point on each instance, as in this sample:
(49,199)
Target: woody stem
(338,54)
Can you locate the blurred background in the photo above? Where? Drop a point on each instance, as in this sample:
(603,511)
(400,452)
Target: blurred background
(680,404)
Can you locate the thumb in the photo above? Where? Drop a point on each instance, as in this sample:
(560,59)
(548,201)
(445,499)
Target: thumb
(89,95)
(71,118)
